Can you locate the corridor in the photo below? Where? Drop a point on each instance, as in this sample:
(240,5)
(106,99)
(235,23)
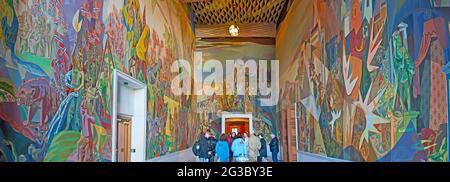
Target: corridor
(224,80)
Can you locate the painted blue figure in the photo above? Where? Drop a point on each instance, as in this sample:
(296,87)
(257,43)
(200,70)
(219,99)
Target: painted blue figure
(67,117)
(10,32)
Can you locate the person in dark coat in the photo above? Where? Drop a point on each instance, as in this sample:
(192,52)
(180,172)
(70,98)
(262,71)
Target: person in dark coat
(274,147)
(229,140)
(263,149)
(204,148)
(211,148)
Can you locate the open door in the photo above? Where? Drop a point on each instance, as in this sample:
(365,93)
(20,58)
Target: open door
(123,139)
(237,125)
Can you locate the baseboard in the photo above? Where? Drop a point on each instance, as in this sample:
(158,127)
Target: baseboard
(185,155)
(310,157)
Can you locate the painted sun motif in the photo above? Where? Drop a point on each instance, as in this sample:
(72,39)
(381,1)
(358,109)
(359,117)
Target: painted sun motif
(371,118)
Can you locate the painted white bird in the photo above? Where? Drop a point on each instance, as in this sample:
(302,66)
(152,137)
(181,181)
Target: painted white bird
(335,115)
(76,22)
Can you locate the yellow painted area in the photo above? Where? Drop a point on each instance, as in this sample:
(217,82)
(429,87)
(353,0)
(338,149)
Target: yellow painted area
(100,130)
(5,11)
(172,110)
(141,48)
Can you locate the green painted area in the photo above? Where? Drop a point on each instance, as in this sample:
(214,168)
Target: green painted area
(7,87)
(62,146)
(44,63)
(23,112)
(7,90)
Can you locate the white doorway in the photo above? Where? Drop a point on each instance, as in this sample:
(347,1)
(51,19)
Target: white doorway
(130,101)
(229,116)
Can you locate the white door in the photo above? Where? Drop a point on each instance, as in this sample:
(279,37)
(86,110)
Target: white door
(138,128)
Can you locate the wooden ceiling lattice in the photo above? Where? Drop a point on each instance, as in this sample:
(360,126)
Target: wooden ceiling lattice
(210,12)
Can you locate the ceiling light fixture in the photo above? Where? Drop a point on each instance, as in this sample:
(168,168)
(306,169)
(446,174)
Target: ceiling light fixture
(234,30)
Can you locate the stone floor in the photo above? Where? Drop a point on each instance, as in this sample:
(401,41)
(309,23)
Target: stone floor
(184,156)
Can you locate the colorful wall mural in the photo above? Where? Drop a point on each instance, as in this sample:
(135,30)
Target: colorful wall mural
(57,58)
(210,109)
(369,77)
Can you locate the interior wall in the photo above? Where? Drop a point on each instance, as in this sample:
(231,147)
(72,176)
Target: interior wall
(56,65)
(369,78)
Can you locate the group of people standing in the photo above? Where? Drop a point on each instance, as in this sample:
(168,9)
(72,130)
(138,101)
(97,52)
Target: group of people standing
(234,148)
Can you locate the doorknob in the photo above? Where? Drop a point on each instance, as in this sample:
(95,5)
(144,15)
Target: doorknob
(133,150)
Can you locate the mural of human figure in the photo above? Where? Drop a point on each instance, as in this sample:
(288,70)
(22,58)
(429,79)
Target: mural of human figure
(68,116)
(22,33)
(404,70)
(85,144)
(40,48)
(47,41)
